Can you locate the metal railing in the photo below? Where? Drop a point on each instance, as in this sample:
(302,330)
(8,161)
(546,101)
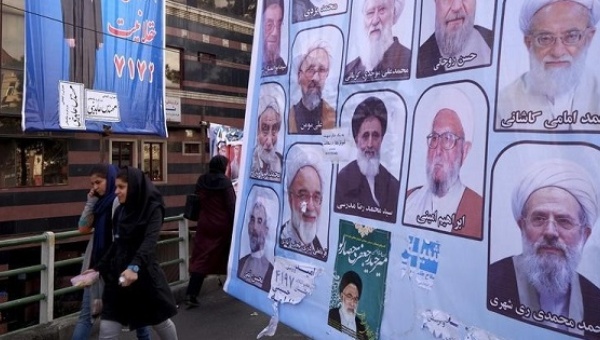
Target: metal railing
(47,266)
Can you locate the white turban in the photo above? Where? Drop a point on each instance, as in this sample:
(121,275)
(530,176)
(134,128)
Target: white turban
(300,156)
(306,47)
(263,197)
(530,7)
(398,8)
(452,98)
(558,173)
(268,101)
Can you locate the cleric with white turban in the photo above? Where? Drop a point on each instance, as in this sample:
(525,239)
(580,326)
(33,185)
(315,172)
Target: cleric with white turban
(558,173)
(531,7)
(544,277)
(305,184)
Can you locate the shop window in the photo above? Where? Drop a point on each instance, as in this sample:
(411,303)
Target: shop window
(122,153)
(154,160)
(33,162)
(172,67)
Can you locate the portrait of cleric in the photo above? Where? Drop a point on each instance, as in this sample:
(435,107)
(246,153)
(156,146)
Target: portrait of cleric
(274,38)
(344,318)
(306,213)
(267,156)
(455,35)
(549,82)
(445,181)
(313,80)
(83,33)
(379,41)
(542,224)
(304,10)
(368,186)
(257,240)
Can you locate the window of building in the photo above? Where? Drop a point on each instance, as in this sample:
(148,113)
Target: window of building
(12,57)
(173,67)
(191,148)
(122,153)
(33,162)
(207,58)
(154,160)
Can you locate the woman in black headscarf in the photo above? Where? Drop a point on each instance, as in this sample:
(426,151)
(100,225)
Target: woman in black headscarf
(215,226)
(136,293)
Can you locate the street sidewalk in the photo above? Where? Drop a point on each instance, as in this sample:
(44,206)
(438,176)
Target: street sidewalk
(219,316)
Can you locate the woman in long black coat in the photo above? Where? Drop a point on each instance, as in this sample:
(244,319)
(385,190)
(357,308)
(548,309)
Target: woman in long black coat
(215,226)
(136,290)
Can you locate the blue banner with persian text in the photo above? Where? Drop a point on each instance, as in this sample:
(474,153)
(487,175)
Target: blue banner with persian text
(95,66)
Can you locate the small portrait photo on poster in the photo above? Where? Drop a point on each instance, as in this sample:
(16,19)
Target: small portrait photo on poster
(549,81)
(544,245)
(305,10)
(274,33)
(446,171)
(267,158)
(359,277)
(455,35)
(344,317)
(314,80)
(379,43)
(257,240)
(367,182)
(305,229)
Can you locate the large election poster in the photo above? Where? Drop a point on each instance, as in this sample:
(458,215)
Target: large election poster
(422,170)
(95,66)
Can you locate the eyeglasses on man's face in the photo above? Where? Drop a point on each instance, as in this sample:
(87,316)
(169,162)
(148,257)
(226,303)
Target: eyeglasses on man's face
(562,222)
(569,38)
(311,70)
(305,196)
(350,298)
(447,140)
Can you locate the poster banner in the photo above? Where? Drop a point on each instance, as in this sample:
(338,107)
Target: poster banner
(95,66)
(453,142)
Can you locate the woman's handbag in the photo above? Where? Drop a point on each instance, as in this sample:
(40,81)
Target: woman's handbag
(192,207)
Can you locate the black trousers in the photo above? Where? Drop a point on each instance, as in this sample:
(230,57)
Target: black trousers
(195,284)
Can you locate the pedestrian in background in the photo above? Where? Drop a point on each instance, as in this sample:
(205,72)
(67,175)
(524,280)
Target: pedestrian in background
(97,216)
(215,226)
(136,292)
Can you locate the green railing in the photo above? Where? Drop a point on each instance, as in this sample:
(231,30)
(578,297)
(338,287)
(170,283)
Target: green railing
(47,266)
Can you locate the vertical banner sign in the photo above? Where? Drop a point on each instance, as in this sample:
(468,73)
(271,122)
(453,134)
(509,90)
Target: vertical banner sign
(433,165)
(95,65)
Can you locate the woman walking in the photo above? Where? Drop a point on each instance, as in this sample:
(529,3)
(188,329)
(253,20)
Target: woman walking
(97,216)
(136,293)
(215,226)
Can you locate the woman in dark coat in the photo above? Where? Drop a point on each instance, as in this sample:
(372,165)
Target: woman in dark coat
(136,290)
(215,226)
(97,217)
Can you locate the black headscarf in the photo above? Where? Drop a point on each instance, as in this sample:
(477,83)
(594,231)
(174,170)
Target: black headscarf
(142,198)
(215,179)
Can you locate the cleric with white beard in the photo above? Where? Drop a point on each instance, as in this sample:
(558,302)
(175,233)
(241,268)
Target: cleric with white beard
(383,57)
(557,93)
(555,205)
(305,196)
(266,161)
(365,187)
